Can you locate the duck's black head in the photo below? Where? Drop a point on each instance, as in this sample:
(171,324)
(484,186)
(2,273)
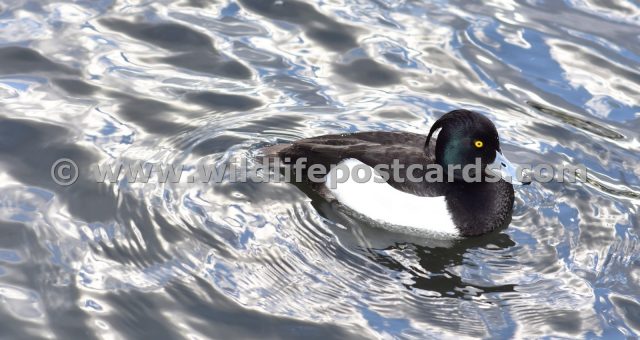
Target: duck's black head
(465,136)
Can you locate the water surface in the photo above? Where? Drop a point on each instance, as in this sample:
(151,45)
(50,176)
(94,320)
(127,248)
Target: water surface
(212,81)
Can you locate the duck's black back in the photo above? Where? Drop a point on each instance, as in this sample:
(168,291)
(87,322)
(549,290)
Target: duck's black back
(371,148)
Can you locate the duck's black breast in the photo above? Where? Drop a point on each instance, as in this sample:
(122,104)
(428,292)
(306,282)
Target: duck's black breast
(478,208)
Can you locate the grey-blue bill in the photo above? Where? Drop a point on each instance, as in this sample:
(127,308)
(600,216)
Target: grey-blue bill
(503,168)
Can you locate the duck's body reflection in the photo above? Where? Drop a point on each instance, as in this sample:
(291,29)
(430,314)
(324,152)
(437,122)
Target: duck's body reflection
(428,260)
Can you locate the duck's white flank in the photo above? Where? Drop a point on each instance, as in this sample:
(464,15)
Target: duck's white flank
(383,203)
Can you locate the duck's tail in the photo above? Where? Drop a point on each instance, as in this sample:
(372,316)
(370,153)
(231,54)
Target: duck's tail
(272,150)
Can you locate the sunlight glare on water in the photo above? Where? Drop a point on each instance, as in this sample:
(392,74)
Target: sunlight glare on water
(193,81)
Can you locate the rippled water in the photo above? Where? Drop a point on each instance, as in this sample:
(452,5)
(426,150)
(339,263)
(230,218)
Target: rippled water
(192,81)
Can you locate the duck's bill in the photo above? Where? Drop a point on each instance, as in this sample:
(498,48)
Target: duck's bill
(502,168)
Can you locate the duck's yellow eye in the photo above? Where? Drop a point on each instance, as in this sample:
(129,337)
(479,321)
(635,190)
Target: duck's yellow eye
(478,144)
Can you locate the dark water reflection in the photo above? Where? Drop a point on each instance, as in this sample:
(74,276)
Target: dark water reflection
(193,81)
